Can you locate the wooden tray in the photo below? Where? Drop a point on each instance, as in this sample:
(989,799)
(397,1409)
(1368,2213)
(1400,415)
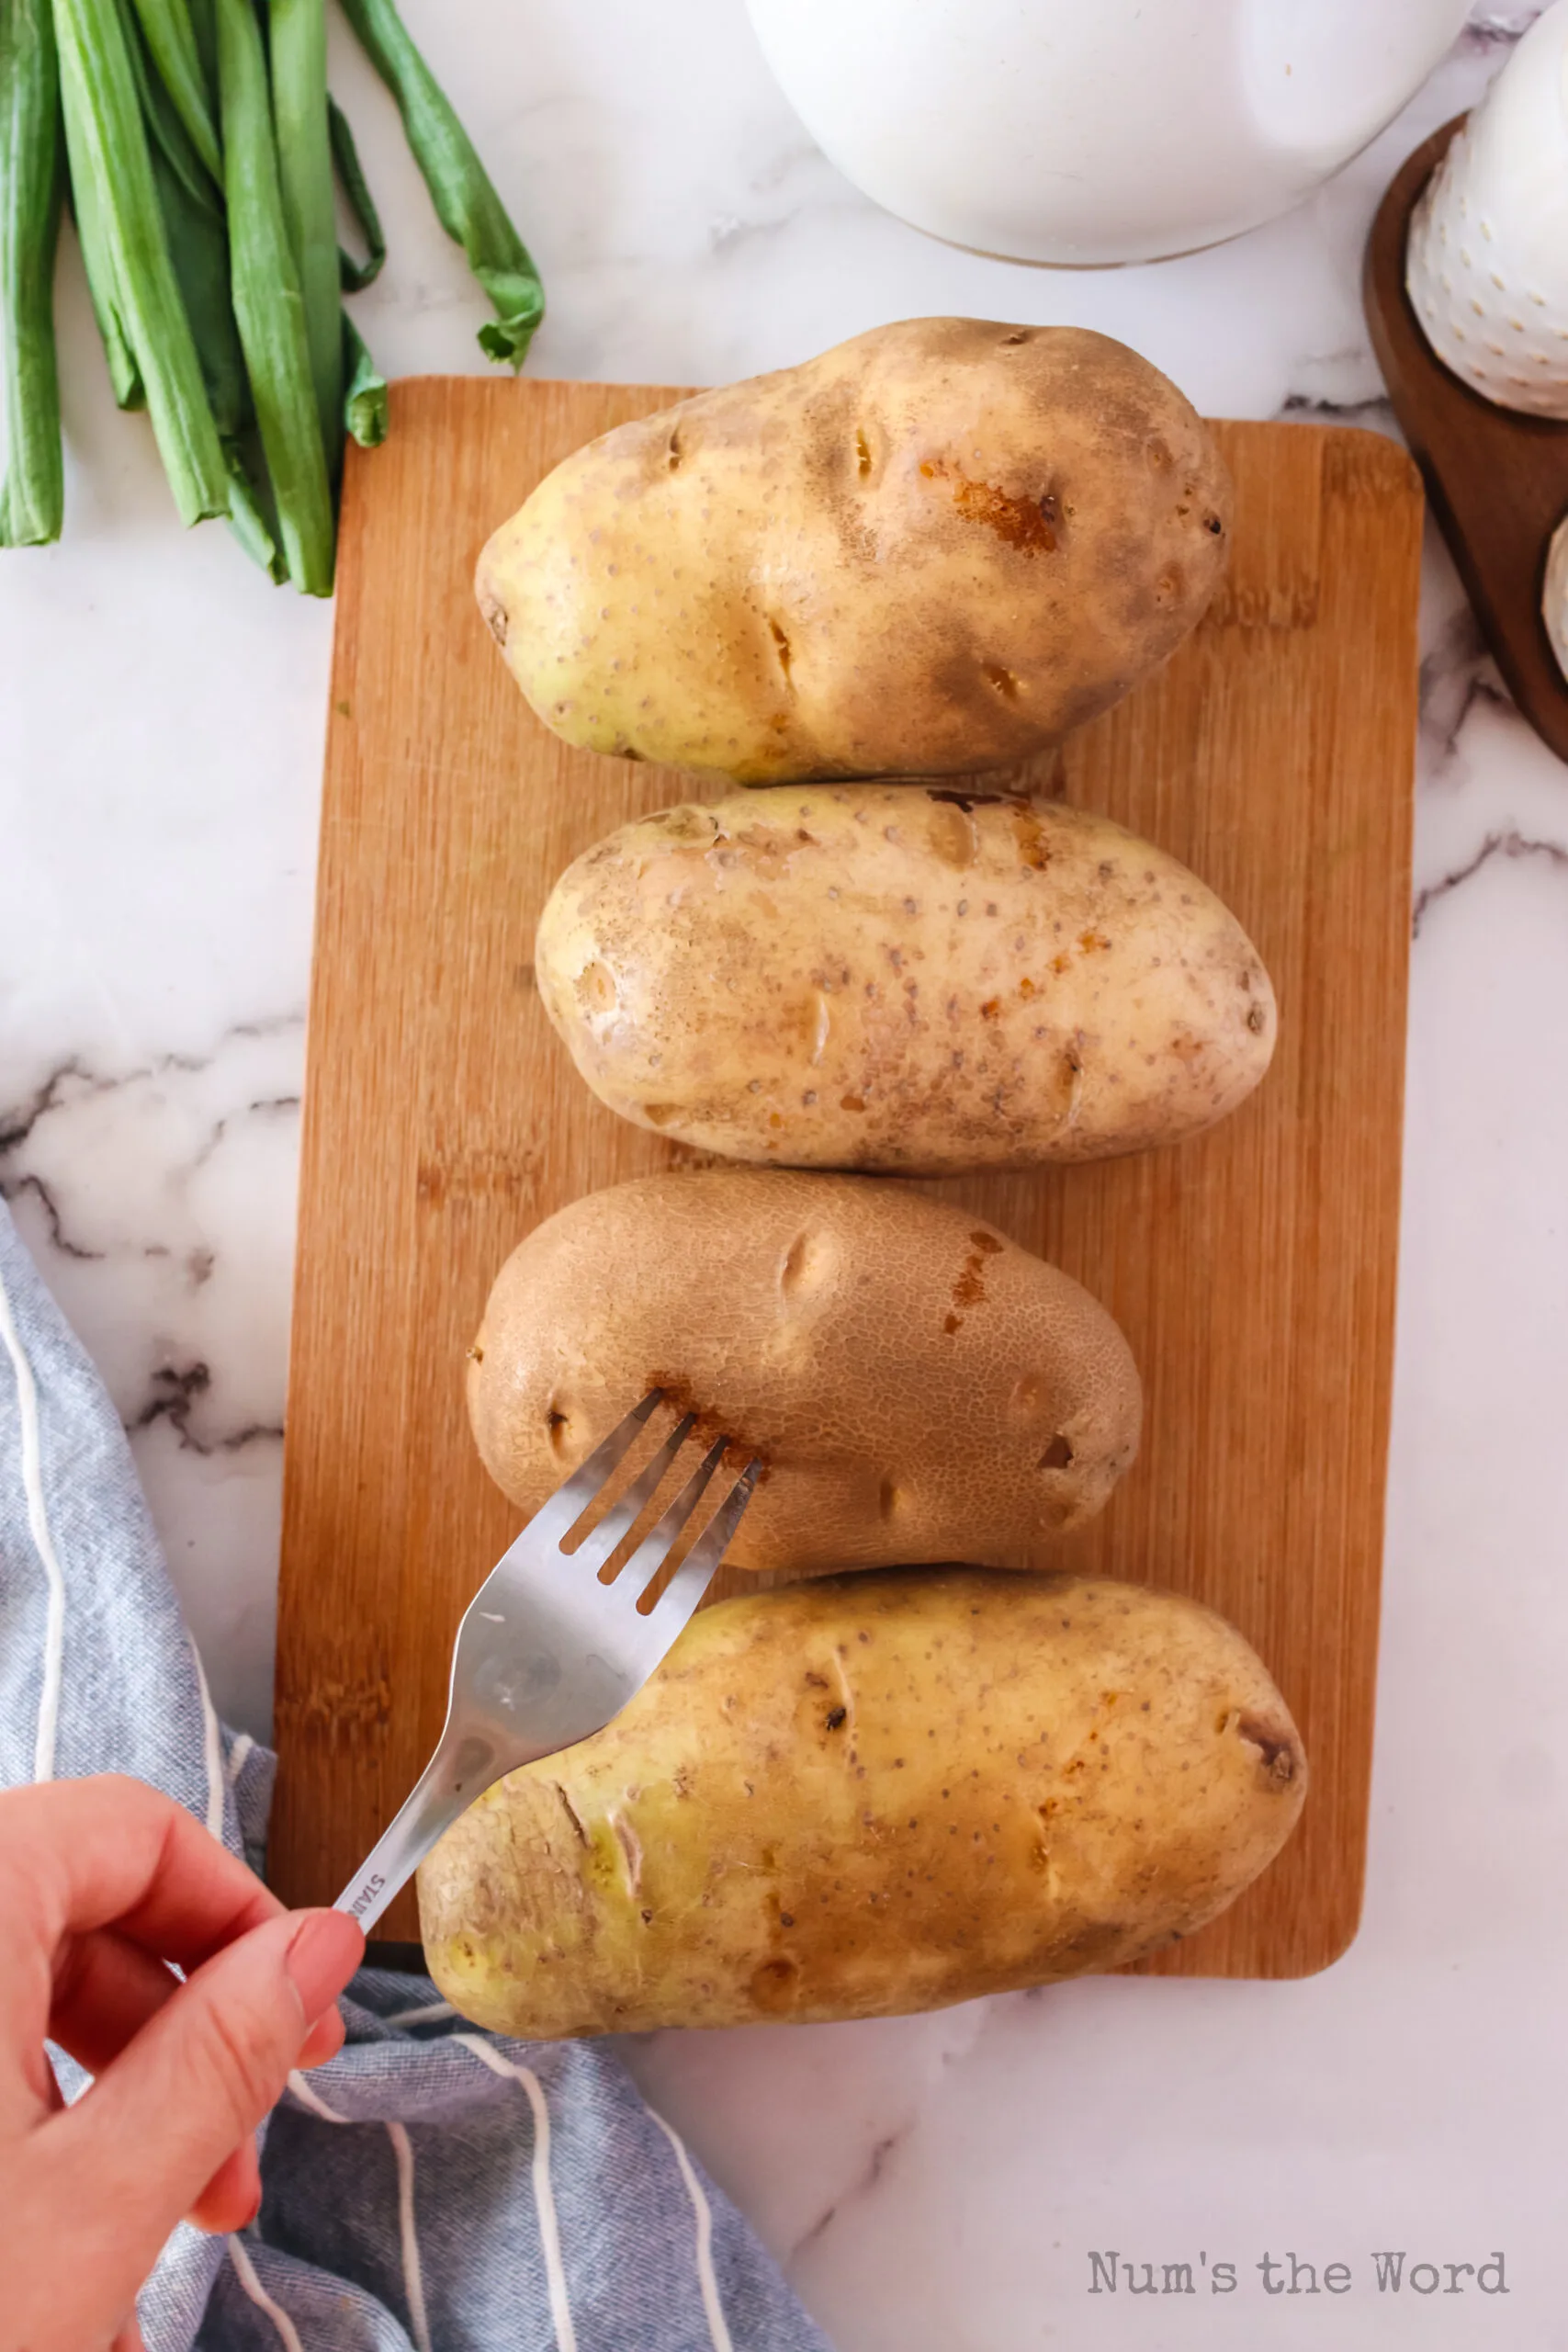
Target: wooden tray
(1498,481)
(1253,1271)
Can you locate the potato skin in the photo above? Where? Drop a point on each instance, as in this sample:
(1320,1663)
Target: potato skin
(918,1387)
(934,548)
(905,979)
(869,1795)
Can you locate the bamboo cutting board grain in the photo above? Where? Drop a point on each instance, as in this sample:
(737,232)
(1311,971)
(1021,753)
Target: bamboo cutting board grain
(1253,1270)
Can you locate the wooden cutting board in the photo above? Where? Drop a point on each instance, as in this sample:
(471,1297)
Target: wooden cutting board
(1253,1270)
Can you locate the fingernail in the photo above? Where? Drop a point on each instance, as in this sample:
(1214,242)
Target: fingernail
(323,1952)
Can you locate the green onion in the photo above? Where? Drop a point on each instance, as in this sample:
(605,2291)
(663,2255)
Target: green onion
(356,275)
(268,305)
(199,242)
(93,236)
(32,496)
(206,33)
(99,88)
(171,37)
(365,404)
(298,32)
(252,517)
(466,203)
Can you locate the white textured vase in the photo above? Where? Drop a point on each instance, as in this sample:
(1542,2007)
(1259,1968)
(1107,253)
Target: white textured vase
(1088,131)
(1488,262)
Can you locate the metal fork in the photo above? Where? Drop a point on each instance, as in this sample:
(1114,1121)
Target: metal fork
(546,1654)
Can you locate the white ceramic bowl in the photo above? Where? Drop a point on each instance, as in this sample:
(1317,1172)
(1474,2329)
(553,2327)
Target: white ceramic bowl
(1087,132)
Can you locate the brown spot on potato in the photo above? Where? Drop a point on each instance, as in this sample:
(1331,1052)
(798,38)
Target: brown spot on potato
(775,1982)
(1277,1749)
(951,833)
(863,452)
(969,801)
(1003,680)
(495,617)
(1058,1454)
(1019,522)
(630,1845)
(596,988)
(808,1262)
(1029,834)
(571,1814)
(782,648)
(836,1718)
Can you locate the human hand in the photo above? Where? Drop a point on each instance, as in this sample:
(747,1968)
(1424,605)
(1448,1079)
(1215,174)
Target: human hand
(102,1882)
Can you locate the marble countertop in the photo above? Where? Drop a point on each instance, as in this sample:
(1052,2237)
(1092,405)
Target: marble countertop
(935,2184)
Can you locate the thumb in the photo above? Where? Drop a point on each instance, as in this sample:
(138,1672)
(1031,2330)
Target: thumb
(196,2080)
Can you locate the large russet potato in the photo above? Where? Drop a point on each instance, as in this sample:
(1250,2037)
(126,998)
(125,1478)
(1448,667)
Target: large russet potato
(934,548)
(908,979)
(917,1386)
(869,1795)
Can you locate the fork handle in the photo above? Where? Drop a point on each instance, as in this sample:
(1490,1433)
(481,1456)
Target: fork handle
(432,1805)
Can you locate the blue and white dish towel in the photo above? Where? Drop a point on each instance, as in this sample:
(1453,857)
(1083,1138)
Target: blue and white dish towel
(430,2190)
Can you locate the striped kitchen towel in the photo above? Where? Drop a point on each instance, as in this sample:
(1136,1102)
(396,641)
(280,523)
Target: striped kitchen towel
(432,2188)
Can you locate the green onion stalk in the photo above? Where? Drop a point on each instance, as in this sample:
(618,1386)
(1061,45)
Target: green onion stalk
(466,202)
(32,494)
(298,34)
(269,307)
(98,83)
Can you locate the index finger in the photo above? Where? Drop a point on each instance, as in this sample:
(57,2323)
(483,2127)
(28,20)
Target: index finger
(110,1851)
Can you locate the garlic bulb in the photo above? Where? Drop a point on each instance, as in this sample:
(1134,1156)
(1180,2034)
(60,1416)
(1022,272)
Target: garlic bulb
(1486,267)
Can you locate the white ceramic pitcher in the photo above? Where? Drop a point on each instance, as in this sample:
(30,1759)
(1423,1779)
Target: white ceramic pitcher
(1090,131)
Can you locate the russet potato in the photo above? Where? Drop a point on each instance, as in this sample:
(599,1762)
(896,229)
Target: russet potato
(869,1795)
(917,1386)
(907,978)
(934,549)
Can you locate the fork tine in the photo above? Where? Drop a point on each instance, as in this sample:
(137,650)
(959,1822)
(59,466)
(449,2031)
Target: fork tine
(661,1541)
(557,1518)
(695,1573)
(595,1549)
